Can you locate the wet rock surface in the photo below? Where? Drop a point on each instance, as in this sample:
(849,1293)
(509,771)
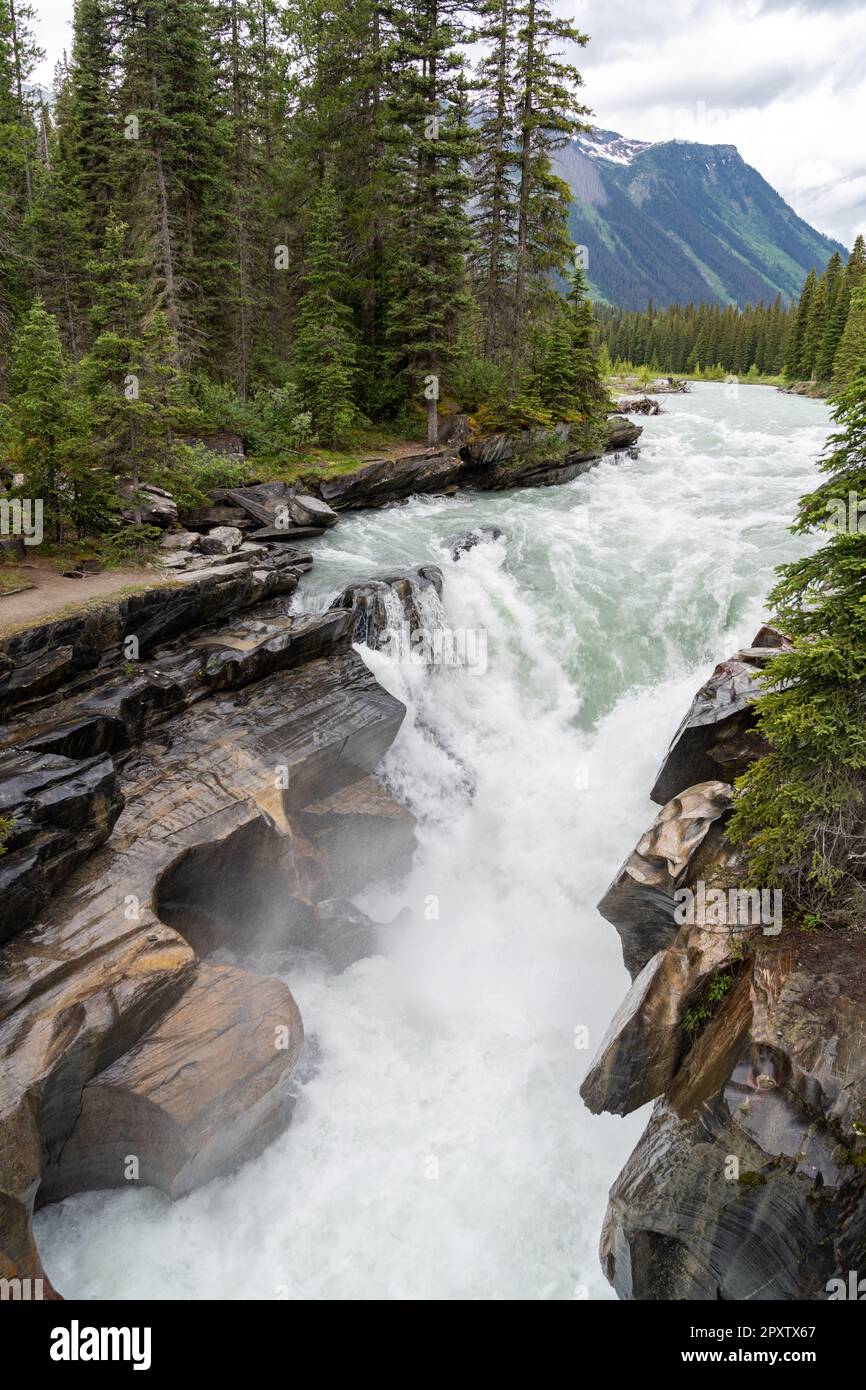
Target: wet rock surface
(153,816)
(640,901)
(746,1029)
(718,735)
(387,602)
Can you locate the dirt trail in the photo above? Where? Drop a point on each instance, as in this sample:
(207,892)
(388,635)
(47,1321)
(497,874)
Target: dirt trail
(53,596)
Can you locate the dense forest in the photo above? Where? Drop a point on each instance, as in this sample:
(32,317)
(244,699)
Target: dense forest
(284,217)
(820,340)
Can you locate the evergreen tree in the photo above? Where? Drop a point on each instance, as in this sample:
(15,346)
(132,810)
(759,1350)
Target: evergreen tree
(323,358)
(128,376)
(799,810)
(41,434)
(495,210)
(547,114)
(430,141)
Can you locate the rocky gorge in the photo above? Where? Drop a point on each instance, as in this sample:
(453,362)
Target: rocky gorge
(745,1029)
(182,771)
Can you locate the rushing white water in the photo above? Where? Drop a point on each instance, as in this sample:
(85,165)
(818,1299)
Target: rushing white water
(440,1149)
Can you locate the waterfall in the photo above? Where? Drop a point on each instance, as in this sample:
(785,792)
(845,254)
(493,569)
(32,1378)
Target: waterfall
(440,1149)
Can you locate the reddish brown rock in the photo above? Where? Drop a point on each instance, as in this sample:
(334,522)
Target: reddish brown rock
(206,1088)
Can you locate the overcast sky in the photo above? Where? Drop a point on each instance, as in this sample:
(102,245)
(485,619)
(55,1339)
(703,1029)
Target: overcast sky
(783,80)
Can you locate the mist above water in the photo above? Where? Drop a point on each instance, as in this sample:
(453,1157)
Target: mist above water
(439,1148)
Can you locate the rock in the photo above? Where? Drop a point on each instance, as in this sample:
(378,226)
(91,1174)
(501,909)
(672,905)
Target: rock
(75,993)
(222,540)
(343,934)
(60,810)
(647,1039)
(383,480)
(480,535)
(281,534)
(280,507)
(180,540)
(40,659)
(639,405)
(454,430)
(363,833)
(718,734)
(382,604)
(207,1087)
(671,855)
(622,433)
(182,559)
(155,506)
(226,443)
(749,1181)
(202,518)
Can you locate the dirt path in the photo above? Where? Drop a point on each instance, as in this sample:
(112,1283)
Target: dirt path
(52,596)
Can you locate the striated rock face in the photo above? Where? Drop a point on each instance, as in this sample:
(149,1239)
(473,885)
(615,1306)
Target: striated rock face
(79,649)
(59,809)
(640,901)
(383,603)
(362,832)
(155,812)
(749,1181)
(717,736)
(383,480)
(203,1088)
(746,1030)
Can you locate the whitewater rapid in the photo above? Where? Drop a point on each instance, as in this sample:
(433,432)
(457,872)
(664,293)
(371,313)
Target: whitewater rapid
(439,1147)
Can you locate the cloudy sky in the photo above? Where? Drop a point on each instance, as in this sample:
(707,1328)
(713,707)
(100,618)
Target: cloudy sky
(780,79)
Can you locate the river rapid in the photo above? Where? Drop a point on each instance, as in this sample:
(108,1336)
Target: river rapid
(439,1147)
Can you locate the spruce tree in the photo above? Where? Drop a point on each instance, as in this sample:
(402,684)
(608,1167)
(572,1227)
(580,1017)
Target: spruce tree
(800,808)
(323,357)
(547,113)
(41,434)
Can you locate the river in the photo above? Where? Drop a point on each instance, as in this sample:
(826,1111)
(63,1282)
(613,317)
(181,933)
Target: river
(439,1147)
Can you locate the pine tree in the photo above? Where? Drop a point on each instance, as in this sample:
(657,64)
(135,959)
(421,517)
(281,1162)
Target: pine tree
(495,211)
(323,358)
(18,55)
(128,375)
(834,321)
(40,432)
(430,140)
(850,359)
(799,810)
(547,114)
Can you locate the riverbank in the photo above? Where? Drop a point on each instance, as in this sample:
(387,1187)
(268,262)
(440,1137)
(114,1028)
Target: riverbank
(458,1048)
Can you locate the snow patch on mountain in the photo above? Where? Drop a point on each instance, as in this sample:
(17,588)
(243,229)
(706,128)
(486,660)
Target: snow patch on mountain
(607,144)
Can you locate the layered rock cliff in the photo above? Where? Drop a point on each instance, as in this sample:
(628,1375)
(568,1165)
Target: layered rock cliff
(217,791)
(745,1028)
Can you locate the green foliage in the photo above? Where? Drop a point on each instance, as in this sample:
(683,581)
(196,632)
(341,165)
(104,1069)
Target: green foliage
(193,472)
(511,414)
(710,341)
(129,543)
(323,359)
(799,810)
(281,220)
(697,1017)
(7,826)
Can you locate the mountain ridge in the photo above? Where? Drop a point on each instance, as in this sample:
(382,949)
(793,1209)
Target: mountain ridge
(677,221)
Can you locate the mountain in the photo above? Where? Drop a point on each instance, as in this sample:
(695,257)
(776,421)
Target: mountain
(678,221)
